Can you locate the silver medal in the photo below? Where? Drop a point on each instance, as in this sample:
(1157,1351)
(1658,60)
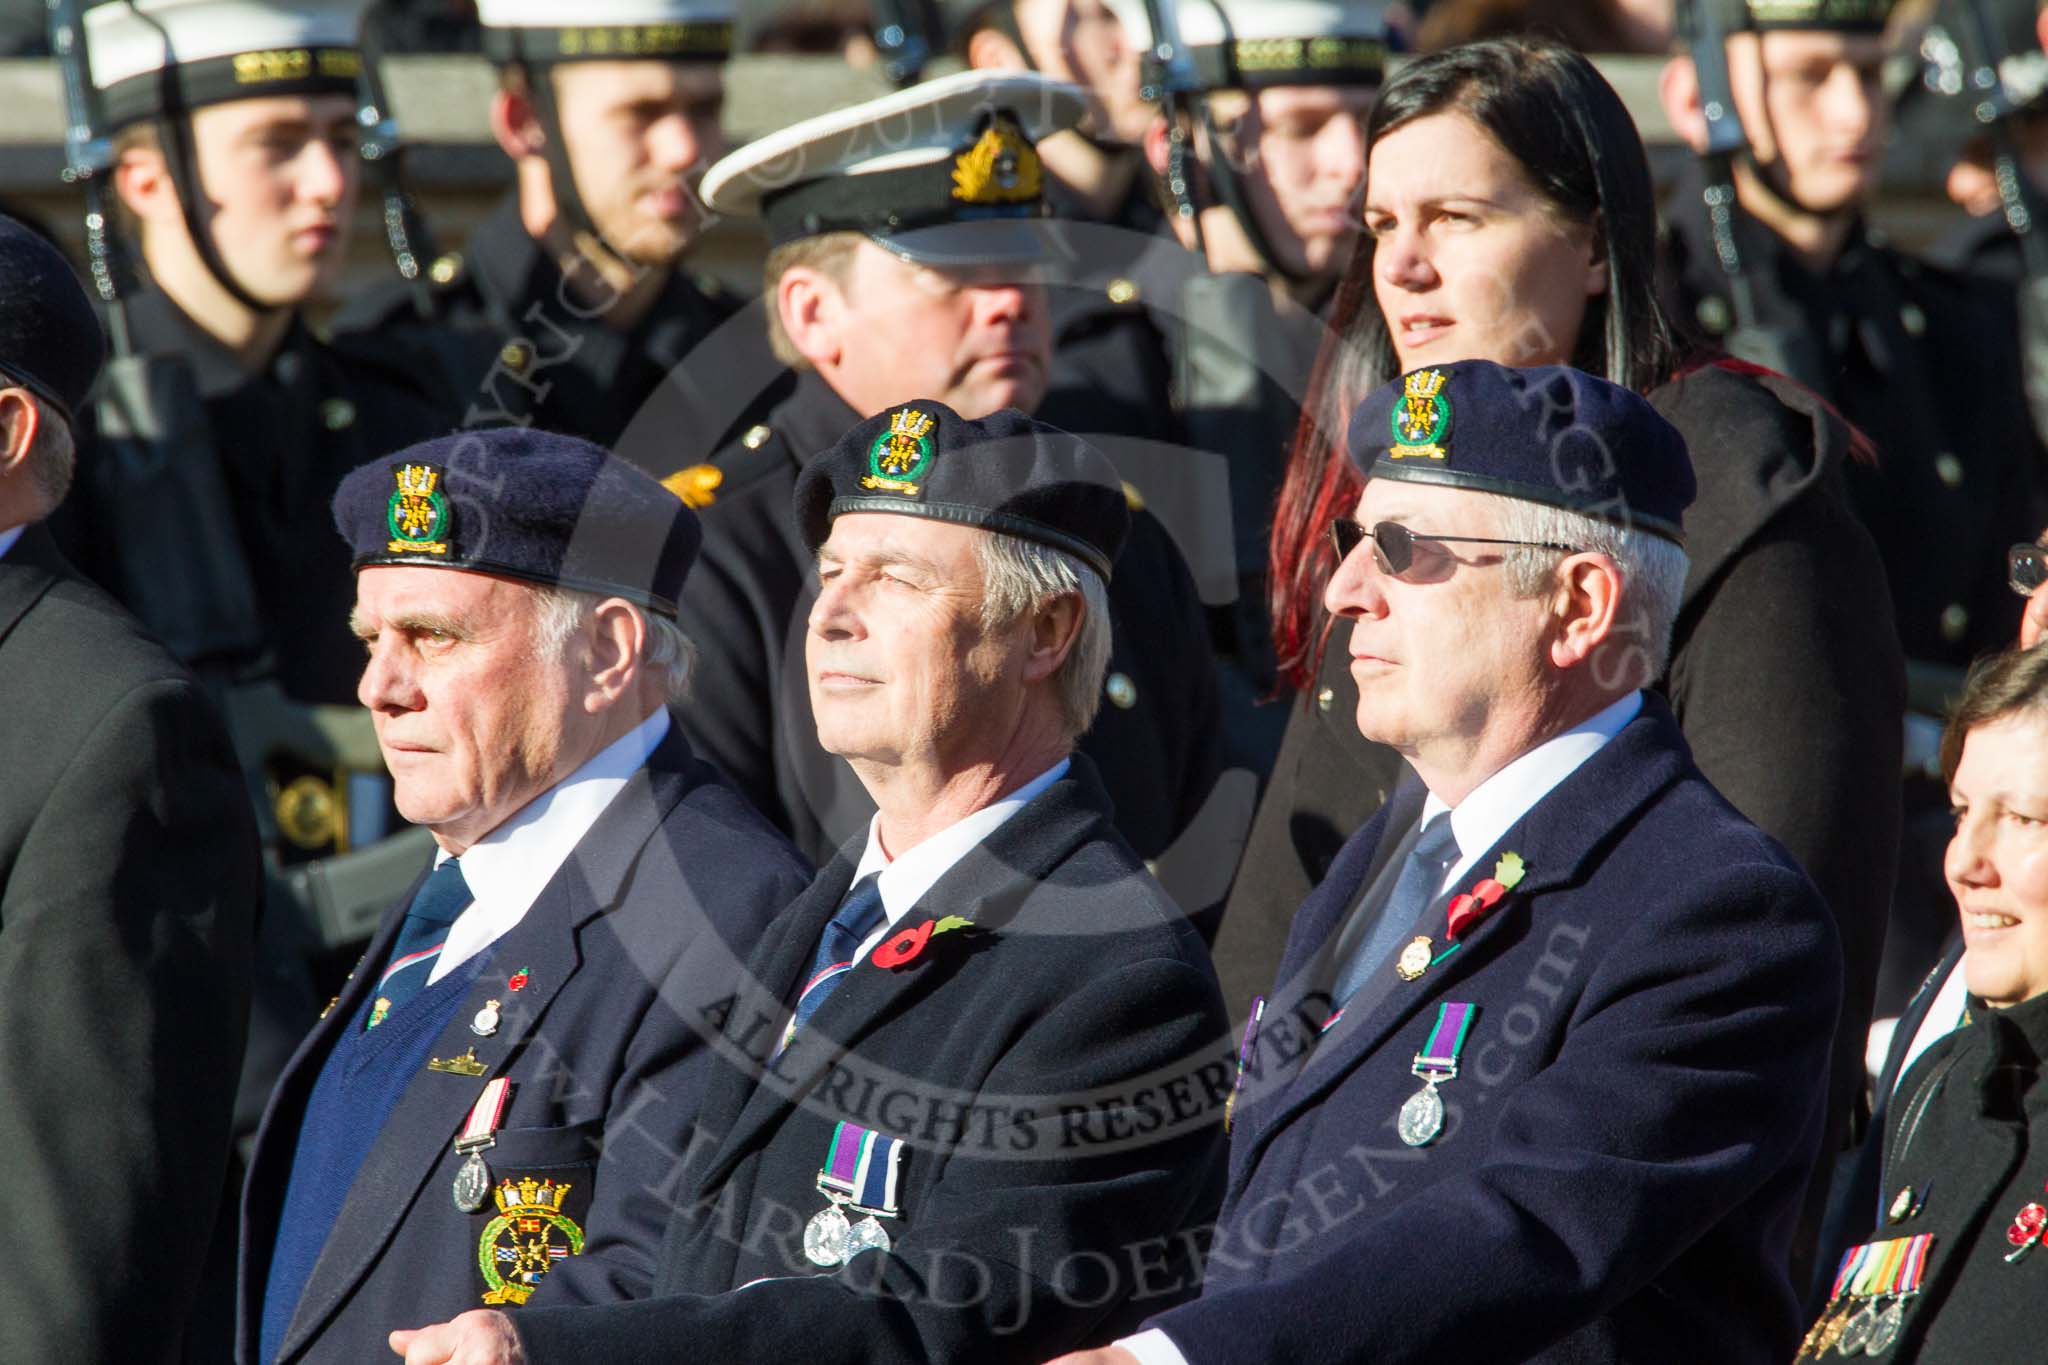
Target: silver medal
(825,1237)
(1857,1334)
(867,1235)
(1422,1117)
(472,1183)
(1887,1330)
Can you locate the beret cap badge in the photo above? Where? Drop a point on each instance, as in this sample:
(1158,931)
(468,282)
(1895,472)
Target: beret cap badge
(1000,168)
(900,456)
(418,515)
(1422,418)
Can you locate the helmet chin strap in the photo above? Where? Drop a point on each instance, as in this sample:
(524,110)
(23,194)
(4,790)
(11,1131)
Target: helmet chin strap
(1230,192)
(569,208)
(174,131)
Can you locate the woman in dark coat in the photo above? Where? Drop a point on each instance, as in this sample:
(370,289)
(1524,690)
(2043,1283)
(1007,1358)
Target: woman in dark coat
(1510,216)
(1955,1269)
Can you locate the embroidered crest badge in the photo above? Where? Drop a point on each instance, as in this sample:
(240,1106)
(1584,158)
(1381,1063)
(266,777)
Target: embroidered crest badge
(419,516)
(1000,168)
(523,1242)
(1422,418)
(901,456)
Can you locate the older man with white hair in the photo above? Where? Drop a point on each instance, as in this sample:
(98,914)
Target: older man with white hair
(492,1106)
(977,1108)
(1545,1071)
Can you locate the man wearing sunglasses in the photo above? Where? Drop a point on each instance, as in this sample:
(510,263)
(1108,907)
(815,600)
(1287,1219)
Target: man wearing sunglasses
(1545,1070)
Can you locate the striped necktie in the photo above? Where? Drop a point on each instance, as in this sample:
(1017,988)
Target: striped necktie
(420,939)
(850,924)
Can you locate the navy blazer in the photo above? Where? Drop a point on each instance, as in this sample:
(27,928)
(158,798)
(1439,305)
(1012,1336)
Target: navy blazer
(650,917)
(1057,1077)
(1638,1110)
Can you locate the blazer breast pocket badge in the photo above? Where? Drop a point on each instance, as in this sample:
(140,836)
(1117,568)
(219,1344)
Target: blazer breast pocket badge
(535,1227)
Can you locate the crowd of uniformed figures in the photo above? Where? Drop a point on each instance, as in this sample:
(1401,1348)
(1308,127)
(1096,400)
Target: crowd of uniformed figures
(1529,871)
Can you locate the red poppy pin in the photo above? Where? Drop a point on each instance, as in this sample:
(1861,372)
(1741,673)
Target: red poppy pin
(1468,908)
(904,947)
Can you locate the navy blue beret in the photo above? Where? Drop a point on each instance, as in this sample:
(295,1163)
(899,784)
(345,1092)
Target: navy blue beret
(1547,434)
(526,504)
(1006,472)
(50,338)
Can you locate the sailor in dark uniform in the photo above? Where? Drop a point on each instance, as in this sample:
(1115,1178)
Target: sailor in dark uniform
(874,316)
(574,300)
(1913,355)
(228,270)
(1267,201)
(1921,359)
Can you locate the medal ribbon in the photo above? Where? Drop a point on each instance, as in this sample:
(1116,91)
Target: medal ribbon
(1912,1265)
(1852,1261)
(862,1165)
(489,1109)
(1447,1038)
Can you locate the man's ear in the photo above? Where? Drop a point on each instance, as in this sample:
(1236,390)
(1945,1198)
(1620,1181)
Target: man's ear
(1055,630)
(514,124)
(1678,90)
(1155,144)
(811,305)
(989,50)
(618,636)
(143,180)
(19,418)
(1587,604)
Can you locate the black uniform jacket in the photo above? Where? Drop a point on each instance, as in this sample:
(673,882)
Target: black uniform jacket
(1057,1075)
(1924,361)
(1636,1112)
(748,599)
(284,438)
(650,918)
(128,891)
(518,345)
(1967,1135)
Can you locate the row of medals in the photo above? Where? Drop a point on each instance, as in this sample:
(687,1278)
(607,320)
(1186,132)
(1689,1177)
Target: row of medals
(832,1239)
(1870,1330)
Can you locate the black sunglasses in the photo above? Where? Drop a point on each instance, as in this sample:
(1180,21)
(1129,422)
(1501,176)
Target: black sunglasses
(2026,568)
(1393,545)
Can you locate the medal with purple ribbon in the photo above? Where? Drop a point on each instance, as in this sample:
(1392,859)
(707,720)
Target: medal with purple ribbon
(860,1173)
(1422,1117)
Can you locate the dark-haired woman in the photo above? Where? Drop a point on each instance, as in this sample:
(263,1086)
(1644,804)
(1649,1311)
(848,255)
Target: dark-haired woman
(1955,1269)
(1509,216)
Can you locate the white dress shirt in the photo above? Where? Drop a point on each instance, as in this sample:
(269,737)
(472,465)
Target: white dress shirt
(508,868)
(905,879)
(8,537)
(1489,811)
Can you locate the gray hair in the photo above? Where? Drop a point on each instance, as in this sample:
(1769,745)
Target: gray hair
(559,612)
(53,458)
(1653,570)
(1018,576)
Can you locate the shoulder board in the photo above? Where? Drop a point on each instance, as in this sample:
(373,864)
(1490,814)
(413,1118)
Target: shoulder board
(758,453)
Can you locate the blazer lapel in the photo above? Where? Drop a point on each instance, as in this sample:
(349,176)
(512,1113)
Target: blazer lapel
(1557,838)
(432,1110)
(27,571)
(991,886)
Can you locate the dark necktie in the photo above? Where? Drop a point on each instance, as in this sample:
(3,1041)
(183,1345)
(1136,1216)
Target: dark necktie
(851,923)
(1422,878)
(441,898)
